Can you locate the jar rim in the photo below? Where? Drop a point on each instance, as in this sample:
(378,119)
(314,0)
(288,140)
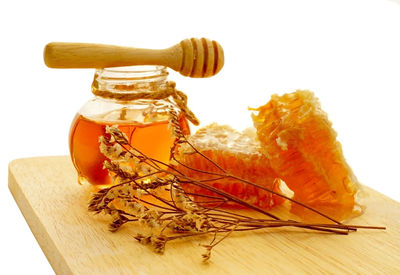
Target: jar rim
(132,73)
(134,69)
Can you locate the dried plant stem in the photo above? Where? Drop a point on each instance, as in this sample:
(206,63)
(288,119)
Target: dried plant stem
(228,175)
(283,196)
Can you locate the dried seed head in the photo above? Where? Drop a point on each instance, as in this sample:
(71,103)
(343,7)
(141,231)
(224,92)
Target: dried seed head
(119,136)
(117,223)
(207,254)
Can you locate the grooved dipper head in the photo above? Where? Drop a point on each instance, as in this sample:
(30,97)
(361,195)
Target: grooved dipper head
(201,57)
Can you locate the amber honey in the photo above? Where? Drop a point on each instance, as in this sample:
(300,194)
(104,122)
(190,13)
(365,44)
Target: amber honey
(153,139)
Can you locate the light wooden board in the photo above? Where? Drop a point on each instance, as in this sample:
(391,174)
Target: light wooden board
(76,242)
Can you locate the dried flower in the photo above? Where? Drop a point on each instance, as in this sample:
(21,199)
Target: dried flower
(156,242)
(207,254)
(149,192)
(118,222)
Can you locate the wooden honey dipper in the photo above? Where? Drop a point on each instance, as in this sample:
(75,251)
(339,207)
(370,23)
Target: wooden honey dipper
(191,57)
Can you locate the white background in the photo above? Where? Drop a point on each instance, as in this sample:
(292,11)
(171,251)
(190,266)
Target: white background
(346,51)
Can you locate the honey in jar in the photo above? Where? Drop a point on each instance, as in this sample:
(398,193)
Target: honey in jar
(144,120)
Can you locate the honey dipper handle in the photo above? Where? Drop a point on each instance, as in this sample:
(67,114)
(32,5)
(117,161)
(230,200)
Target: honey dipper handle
(87,55)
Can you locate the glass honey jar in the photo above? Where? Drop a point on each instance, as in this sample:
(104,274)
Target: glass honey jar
(133,99)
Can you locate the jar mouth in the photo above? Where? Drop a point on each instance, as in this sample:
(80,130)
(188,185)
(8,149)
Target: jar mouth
(119,81)
(132,72)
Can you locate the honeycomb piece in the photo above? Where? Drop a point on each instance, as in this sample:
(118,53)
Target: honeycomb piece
(297,138)
(238,154)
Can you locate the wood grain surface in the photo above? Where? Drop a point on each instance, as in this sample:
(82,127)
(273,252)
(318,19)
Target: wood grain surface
(77,242)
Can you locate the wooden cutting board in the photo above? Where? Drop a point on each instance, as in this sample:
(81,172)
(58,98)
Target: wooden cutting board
(76,242)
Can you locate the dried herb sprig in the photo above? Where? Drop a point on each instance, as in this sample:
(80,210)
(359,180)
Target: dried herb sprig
(149,192)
